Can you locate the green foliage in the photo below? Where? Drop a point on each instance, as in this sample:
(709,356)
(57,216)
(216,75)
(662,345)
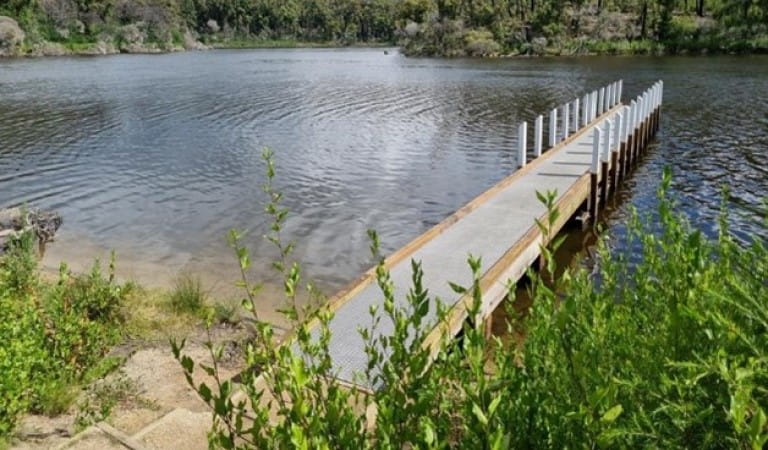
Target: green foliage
(446,27)
(668,351)
(52,334)
(188,295)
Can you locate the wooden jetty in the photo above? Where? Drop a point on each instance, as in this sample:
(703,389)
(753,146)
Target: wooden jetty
(594,142)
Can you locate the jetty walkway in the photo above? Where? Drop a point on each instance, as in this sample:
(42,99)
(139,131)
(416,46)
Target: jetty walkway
(594,141)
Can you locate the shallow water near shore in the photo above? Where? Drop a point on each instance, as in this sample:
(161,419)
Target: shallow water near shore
(158,156)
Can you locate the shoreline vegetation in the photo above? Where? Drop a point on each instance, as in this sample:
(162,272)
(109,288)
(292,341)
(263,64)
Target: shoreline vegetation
(452,28)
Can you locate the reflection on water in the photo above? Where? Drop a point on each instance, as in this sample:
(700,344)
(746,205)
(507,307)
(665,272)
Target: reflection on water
(159,156)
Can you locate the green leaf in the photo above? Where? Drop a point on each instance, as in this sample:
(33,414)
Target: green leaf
(612,414)
(479,414)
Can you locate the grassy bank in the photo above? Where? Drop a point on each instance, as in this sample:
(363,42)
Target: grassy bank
(664,346)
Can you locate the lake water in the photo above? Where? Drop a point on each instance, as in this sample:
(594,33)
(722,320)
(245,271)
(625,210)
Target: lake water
(158,156)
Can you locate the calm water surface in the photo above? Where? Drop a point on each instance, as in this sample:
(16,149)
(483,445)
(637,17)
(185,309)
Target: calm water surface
(158,156)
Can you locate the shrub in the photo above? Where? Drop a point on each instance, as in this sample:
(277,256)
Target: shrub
(480,43)
(51,334)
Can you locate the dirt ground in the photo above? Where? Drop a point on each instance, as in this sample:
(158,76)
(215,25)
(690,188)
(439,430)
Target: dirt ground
(150,385)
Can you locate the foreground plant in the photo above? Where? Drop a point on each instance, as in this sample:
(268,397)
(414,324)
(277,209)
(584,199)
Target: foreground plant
(668,348)
(54,335)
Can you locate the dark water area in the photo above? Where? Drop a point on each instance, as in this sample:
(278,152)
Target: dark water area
(158,156)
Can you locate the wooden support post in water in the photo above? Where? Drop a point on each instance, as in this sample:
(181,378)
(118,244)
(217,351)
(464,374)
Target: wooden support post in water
(522,144)
(594,176)
(566,120)
(553,128)
(538,136)
(605,157)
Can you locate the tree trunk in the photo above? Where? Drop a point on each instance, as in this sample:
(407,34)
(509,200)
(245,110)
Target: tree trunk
(700,8)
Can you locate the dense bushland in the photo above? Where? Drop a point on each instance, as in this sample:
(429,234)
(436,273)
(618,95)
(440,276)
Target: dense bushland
(667,350)
(54,335)
(423,27)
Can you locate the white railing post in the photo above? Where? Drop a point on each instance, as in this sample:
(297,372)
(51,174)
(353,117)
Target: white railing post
(621,88)
(617,131)
(600,101)
(607,140)
(661,95)
(633,122)
(522,138)
(625,127)
(538,136)
(593,103)
(553,128)
(576,115)
(585,111)
(610,97)
(597,136)
(566,120)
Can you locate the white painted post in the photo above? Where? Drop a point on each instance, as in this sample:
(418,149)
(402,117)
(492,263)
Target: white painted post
(625,127)
(661,96)
(633,122)
(621,88)
(601,101)
(538,136)
(553,128)
(610,97)
(597,136)
(576,115)
(617,131)
(585,111)
(522,138)
(607,104)
(607,140)
(645,106)
(566,120)
(594,104)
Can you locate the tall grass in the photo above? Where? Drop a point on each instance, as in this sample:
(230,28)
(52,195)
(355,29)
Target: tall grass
(668,351)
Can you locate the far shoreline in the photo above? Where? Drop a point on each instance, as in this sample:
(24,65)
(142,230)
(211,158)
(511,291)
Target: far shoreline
(612,48)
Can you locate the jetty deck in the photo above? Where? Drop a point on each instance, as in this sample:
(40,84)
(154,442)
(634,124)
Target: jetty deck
(582,166)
